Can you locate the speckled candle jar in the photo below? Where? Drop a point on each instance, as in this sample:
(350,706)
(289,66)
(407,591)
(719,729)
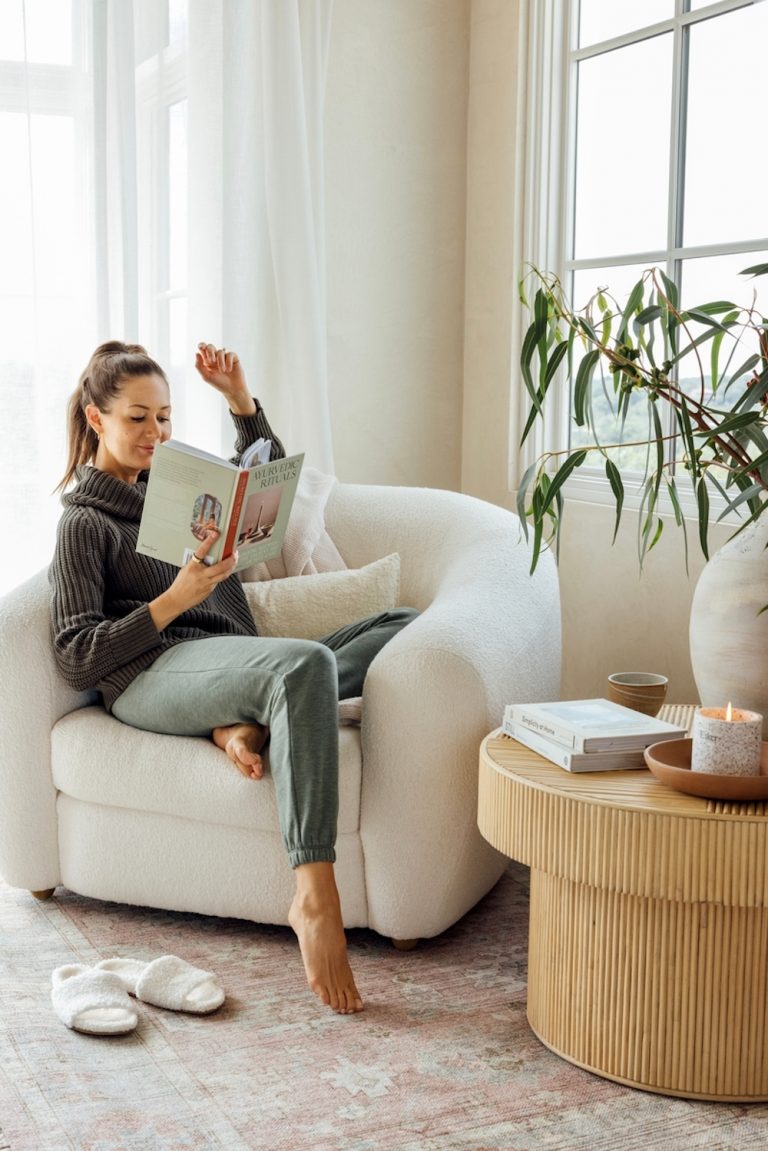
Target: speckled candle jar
(726,746)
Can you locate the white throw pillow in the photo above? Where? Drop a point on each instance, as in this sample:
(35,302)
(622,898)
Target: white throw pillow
(311,606)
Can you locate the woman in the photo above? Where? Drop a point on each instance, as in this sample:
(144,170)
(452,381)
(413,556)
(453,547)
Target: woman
(176,650)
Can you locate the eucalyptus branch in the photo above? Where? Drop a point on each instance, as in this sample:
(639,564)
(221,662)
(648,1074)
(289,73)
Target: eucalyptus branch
(713,438)
(663,387)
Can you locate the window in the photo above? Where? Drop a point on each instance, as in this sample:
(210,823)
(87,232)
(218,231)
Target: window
(92,223)
(656,153)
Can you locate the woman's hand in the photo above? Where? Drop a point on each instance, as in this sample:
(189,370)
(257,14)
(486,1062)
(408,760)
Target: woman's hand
(223,371)
(194,583)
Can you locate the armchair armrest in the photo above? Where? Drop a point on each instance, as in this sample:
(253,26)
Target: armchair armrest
(489,633)
(34,697)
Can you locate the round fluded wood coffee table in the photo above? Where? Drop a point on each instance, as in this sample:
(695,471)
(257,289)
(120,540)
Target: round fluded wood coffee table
(648,945)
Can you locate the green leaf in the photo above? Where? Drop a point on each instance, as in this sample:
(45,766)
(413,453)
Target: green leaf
(541,309)
(679,517)
(538,527)
(647,316)
(732,423)
(755,270)
(529,424)
(605,328)
(555,360)
(670,287)
(561,475)
(559,503)
(714,361)
(755,465)
(633,303)
(712,309)
(617,487)
(743,497)
(530,343)
(587,329)
(702,501)
(645,517)
(582,385)
(522,496)
(657,533)
(538,533)
(675,501)
(684,422)
(702,317)
(659,438)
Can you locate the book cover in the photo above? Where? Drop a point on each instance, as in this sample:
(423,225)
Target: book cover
(190,491)
(591,724)
(620,759)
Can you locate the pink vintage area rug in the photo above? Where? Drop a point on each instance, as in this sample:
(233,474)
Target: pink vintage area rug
(441,1060)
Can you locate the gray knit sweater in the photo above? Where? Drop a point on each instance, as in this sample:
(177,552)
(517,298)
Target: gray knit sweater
(103,632)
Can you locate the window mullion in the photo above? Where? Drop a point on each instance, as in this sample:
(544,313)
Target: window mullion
(677,153)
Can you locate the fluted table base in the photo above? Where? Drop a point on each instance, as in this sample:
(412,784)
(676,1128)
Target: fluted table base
(648,945)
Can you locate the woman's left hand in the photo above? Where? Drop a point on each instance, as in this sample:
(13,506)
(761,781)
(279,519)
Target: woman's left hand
(222,370)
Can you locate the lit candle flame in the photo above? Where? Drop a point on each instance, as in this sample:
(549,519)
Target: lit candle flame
(729,713)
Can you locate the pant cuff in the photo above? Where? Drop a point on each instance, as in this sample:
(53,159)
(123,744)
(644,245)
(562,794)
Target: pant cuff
(311,855)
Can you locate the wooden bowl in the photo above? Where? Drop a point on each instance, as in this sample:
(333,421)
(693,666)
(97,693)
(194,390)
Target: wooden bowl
(670,762)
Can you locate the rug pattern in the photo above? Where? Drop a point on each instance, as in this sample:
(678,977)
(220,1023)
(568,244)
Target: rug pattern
(441,1060)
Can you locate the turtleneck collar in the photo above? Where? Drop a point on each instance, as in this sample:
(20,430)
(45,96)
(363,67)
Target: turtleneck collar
(97,489)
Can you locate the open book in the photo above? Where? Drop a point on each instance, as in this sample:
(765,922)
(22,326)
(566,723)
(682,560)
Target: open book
(190,491)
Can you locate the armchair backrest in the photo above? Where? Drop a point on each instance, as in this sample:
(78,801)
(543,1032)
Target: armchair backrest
(443,538)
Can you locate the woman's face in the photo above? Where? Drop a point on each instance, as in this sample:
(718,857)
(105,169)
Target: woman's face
(138,420)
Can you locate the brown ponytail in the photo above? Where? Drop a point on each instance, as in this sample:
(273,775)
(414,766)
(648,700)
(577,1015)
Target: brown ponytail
(101,382)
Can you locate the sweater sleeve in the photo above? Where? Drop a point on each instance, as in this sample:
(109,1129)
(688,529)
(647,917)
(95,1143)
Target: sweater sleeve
(89,646)
(248,429)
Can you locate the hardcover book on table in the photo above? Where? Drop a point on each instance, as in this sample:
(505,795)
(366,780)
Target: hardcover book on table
(587,725)
(190,491)
(609,759)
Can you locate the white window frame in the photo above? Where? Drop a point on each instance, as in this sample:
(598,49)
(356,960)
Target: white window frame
(547,65)
(53,90)
(161,81)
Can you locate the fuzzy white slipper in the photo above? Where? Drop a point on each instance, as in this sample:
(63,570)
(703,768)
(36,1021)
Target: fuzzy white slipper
(167,982)
(92,1001)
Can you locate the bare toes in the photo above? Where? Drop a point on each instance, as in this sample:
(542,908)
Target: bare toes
(247,761)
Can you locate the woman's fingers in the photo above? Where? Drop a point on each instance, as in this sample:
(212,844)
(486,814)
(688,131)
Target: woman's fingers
(214,571)
(216,358)
(206,544)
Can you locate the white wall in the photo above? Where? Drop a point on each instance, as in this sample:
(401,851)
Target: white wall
(421,120)
(396,110)
(617,618)
(491,279)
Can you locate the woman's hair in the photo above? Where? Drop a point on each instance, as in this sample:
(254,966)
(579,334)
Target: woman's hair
(102,381)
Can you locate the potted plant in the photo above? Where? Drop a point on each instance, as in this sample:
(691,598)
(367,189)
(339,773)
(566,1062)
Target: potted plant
(659,391)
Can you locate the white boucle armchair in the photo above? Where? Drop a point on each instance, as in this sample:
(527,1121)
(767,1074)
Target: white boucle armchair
(164,821)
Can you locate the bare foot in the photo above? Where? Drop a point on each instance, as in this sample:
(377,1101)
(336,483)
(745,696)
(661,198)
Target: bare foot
(242,743)
(315,916)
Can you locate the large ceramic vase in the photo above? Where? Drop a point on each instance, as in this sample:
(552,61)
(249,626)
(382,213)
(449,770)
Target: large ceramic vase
(728,636)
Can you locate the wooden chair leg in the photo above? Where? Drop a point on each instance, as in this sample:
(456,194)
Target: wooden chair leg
(405,944)
(46,894)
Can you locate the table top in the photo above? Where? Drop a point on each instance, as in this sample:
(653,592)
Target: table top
(623,830)
(632,790)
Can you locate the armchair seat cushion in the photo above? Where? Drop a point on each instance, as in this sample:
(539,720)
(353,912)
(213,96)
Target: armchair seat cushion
(97,759)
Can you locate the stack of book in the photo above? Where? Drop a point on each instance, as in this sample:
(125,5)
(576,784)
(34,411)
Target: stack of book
(587,734)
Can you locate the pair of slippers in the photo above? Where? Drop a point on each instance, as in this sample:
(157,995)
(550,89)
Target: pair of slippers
(96,1000)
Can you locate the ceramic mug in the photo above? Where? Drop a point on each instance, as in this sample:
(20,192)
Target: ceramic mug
(641,690)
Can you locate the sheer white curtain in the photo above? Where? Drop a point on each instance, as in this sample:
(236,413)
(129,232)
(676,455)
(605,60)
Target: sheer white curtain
(164,182)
